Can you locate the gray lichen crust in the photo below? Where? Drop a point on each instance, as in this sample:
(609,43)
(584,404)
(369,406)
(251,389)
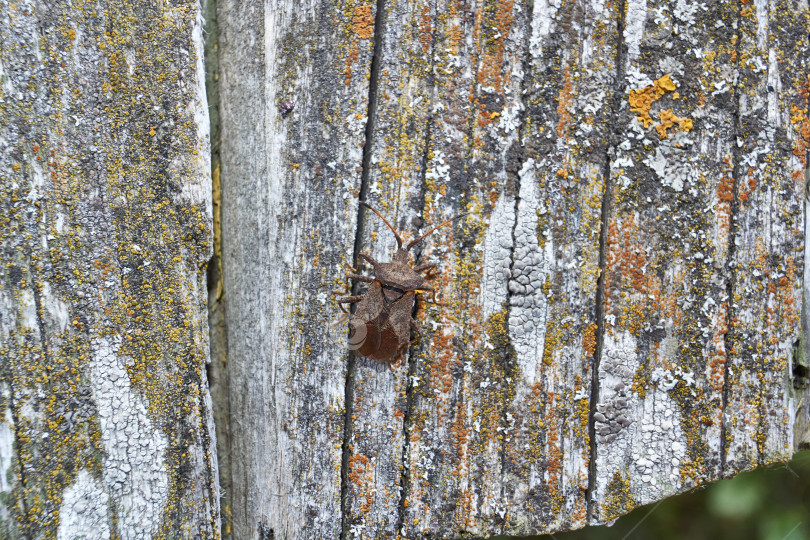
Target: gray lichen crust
(105,421)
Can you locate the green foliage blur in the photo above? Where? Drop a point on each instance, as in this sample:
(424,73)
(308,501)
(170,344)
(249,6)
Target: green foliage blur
(771,503)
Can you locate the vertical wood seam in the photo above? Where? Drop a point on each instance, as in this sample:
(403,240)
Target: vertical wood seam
(732,251)
(600,282)
(351,366)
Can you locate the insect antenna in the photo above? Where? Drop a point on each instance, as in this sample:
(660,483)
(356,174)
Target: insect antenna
(442,224)
(399,240)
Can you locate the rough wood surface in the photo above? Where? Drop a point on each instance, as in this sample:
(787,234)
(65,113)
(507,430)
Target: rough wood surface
(290,188)
(618,313)
(105,220)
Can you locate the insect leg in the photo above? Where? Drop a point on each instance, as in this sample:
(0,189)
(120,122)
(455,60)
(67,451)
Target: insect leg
(369,259)
(430,290)
(358,277)
(347,300)
(423,267)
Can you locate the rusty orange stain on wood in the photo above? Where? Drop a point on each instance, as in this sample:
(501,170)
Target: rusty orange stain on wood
(563,103)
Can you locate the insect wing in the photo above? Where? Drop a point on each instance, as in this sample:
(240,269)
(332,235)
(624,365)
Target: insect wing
(395,334)
(365,323)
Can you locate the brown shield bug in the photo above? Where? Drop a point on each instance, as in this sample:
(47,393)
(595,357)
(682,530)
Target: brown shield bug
(380,327)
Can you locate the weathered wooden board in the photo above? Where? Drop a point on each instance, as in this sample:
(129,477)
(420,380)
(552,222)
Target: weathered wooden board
(105,221)
(393,178)
(772,136)
(600,330)
(290,188)
(661,374)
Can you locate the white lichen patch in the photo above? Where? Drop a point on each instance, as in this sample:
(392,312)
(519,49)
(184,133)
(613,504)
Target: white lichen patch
(497,260)
(543,15)
(635,18)
(58,316)
(670,165)
(438,170)
(643,431)
(527,316)
(6,446)
(28,311)
(135,473)
(84,510)
(199,191)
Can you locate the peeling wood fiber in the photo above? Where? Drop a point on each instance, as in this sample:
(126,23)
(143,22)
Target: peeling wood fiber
(619,309)
(105,420)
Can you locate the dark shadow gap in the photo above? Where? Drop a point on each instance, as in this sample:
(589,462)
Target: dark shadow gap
(731,282)
(351,365)
(216,372)
(607,197)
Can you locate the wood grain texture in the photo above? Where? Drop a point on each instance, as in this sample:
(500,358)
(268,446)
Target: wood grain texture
(105,418)
(600,329)
(290,188)
(772,139)
(662,369)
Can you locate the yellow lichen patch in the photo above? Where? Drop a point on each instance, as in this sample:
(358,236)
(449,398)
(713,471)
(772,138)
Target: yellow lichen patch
(641,101)
(669,119)
(619,498)
(589,339)
(363,22)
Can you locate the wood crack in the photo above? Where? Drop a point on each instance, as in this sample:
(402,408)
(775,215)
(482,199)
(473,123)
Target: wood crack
(600,283)
(18,436)
(351,365)
(407,420)
(524,112)
(732,251)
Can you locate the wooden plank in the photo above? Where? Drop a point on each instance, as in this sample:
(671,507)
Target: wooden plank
(396,152)
(524,115)
(290,186)
(768,248)
(554,319)
(460,388)
(672,361)
(662,368)
(105,419)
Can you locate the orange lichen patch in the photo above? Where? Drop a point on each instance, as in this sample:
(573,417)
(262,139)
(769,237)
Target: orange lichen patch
(641,100)
(497,22)
(752,183)
(361,476)
(725,197)
(363,22)
(788,298)
(426,29)
(669,119)
(589,339)
(563,104)
(798,116)
(554,454)
(725,190)
(638,290)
